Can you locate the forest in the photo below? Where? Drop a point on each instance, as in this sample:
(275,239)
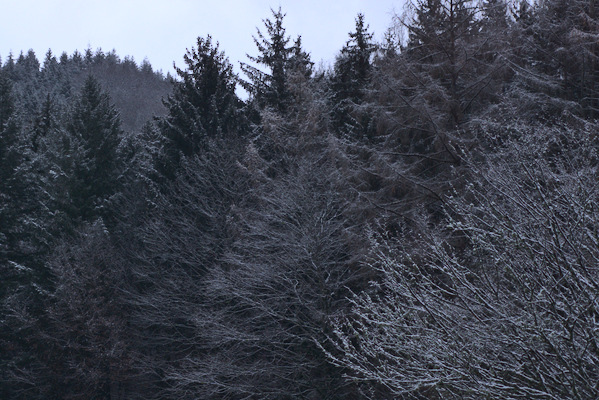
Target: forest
(420,220)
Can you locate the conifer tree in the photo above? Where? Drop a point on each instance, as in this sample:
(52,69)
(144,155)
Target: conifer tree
(353,65)
(444,73)
(23,246)
(269,89)
(9,161)
(12,187)
(439,34)
(560,42)
(299,61)
(202,108)
(9,66)
(352,72)
(43,122)
(91,154)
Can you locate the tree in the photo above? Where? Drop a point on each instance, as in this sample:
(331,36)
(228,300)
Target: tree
(445,73)
(186,231)
(561,44)
(352,69)
(502,302)
(422,104)
(202,108)
(270,88)
(44,123)
(284,273)
(18,196)
(24,245)
(352,75)
(91,157)
(10,160)
(87,341)
(9,136)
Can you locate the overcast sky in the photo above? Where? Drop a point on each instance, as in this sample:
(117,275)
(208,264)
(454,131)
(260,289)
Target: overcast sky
(162,30)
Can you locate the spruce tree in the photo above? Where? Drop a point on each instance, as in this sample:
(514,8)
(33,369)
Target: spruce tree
(9,162)
(351,75)
(91,154)
(561,46)
(353,65)
(269,88)
(202,108)
(12,191)
(299,60)
(439,37)
(23,247)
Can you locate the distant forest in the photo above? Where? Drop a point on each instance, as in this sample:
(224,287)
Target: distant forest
(418,221)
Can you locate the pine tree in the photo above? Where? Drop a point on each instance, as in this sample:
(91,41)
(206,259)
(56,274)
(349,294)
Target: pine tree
(23,247)
(11,187)
(91,154)
(353,65)
(270,88)
(203,107)
(352,72)
(561,45)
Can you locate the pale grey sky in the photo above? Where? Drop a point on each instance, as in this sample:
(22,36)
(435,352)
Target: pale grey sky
(162,30)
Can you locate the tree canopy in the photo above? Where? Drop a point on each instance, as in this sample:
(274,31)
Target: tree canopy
(417,221)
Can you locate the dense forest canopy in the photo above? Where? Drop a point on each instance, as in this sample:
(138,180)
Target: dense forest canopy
(418,221)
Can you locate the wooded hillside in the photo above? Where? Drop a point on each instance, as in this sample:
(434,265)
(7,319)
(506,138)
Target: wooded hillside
(419,221)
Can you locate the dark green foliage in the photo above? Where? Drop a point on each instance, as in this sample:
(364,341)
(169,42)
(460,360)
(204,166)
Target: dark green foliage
(87,346)
(351,76)
(441,32)
(24,246)
(202,108)
(137,94)
(43,123)
(270,88)
(10,185)
(19,185)
(561,36)
(91,152)
(354,64)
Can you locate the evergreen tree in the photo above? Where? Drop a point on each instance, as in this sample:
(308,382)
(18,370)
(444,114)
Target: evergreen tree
(353,65)
(299,61)
(50,61)
(27,65)
(10,160)
(16,184)
(24,244)
(352,72)
(91,154)
(9,67)
(561,46)
(88,334)
(439,34)
(444,74)
(203,106)
(270,88)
